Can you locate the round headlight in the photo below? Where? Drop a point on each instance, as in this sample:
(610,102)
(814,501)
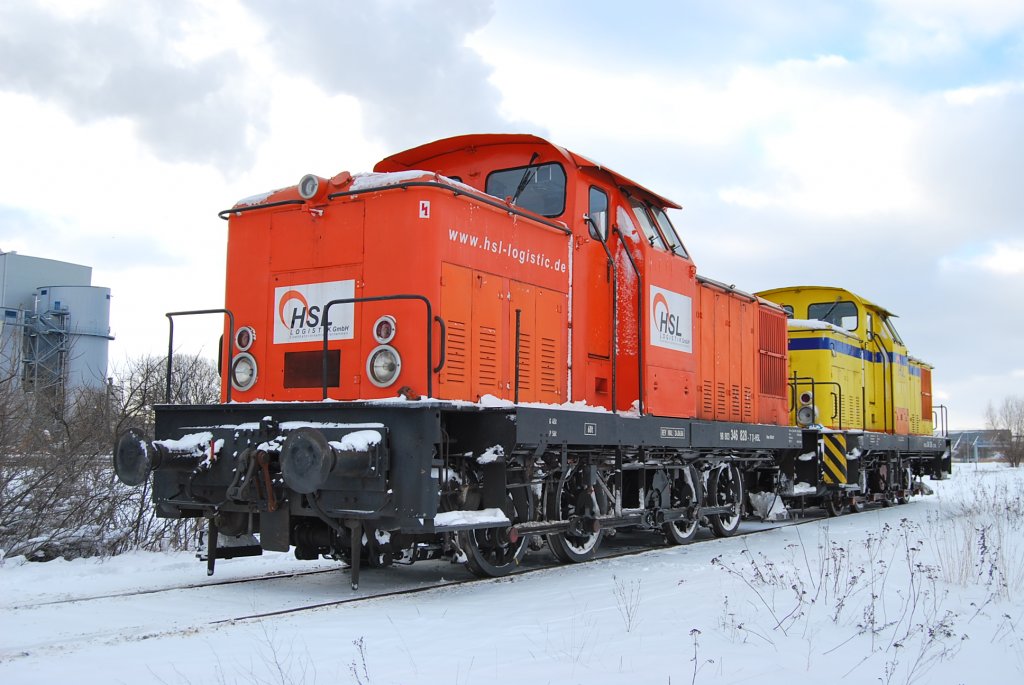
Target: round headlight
(806,415)
(308,187)
(244,338)
(384,329)
(383,366)
(806,397)
(243,371)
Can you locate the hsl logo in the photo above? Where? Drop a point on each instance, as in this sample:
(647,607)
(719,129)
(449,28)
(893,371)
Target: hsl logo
(300,311)
(668,323)
(671,320)
(301,314)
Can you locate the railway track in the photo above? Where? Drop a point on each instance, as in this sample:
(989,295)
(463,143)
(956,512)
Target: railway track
(550,565)
(170,588)
(66,625)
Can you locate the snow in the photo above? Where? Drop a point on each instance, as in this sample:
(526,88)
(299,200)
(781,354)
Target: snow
(255,199)
(464,518)
(802,488)
(359,441)
(193,442)
(372,180)
(816,325)
(929,592)
(491,454)
(769,506)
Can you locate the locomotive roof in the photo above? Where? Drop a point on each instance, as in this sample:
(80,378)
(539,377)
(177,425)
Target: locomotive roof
(413,158)
(767,294)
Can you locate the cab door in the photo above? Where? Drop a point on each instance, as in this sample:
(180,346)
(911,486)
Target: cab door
(670,308)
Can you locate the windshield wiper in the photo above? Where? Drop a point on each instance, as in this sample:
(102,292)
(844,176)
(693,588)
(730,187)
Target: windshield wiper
(525,180)
(831,309)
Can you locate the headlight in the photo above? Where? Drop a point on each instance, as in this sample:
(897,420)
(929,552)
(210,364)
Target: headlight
(243,371)
(309,186)
(383,366)
(244,338)
(806,415)
(384,330)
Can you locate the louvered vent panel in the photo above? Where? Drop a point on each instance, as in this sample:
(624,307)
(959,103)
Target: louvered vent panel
(707,401)
(772,353)
(487,357)
(525,362)
(548,365)
(455,354)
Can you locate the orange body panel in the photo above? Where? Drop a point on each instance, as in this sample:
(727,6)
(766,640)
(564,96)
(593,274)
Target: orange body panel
(742,358)
(606,313)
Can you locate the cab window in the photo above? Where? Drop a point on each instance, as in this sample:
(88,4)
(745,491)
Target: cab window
(788,308)
(892,330)
(539,189)
(838,313)
(598,213)
(668,230)
(646,224)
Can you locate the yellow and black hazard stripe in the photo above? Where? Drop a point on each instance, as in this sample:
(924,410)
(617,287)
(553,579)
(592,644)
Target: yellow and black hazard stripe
(834,461)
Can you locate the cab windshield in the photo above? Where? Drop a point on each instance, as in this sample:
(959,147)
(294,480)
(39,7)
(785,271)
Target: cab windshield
(539,188)
(840,313)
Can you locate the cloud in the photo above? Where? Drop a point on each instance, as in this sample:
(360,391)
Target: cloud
(966,152)
(1000,259)
(971,95)
(911,30)
(125,62)
(405,60)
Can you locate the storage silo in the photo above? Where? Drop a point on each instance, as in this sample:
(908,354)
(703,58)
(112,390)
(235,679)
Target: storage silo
(84,312)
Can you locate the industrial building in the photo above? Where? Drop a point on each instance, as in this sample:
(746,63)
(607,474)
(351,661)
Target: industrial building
(55,327)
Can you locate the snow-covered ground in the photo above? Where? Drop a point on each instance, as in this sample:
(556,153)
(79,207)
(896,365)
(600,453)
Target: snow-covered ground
(929,592)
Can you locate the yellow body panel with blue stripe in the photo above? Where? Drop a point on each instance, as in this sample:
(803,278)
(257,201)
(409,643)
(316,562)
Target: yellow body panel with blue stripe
(862,377)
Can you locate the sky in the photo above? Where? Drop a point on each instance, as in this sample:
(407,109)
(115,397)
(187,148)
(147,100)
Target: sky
(877,146)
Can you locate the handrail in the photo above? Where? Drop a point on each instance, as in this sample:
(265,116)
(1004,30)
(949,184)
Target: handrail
(383,298)
(229,342)
(639,319)
(226,213)
(810,380)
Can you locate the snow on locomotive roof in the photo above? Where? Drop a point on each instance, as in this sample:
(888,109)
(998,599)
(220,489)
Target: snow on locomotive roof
(816,325)
(369,180)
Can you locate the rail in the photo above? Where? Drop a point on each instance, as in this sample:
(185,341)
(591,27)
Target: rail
(837,397)
(225,370)
(431,370)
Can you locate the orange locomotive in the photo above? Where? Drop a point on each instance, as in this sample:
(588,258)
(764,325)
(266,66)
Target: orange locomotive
(524,349)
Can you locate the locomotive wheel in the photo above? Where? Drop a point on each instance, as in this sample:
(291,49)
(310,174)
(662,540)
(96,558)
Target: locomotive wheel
(857,501)
(572,549)
(495,552)
(906,482)
(685,492)
(833,504)
(490,553)
(575,499)
(725,488)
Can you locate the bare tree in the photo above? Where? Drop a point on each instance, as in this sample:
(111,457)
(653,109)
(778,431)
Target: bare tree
(58,493)
(142,383)
(1008,418)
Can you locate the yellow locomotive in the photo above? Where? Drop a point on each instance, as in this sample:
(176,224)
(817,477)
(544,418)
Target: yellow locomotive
(849,368)
(850,377)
